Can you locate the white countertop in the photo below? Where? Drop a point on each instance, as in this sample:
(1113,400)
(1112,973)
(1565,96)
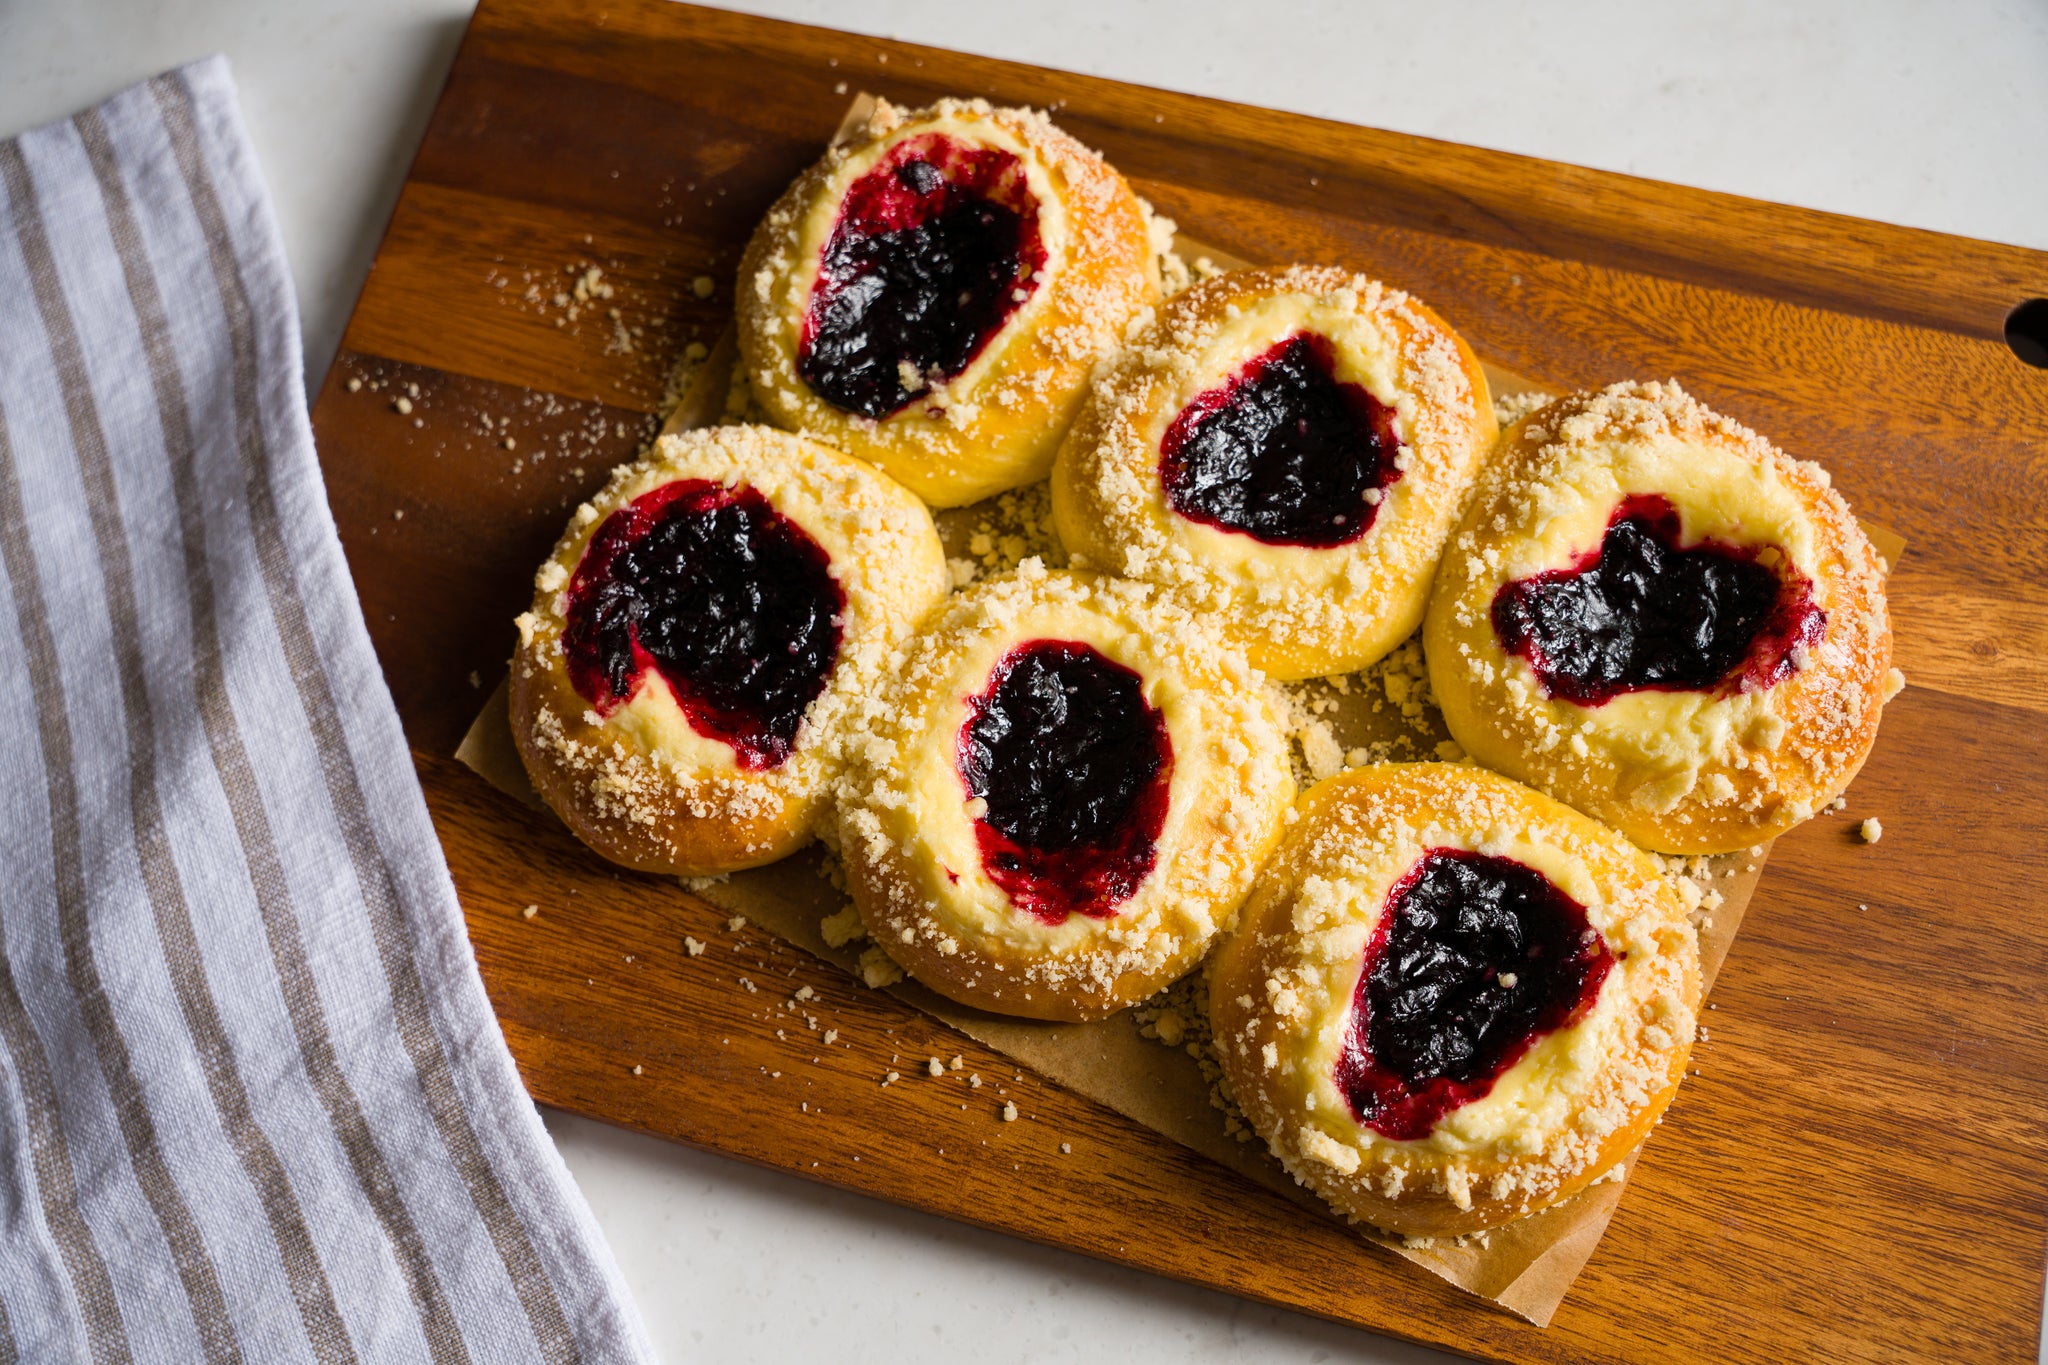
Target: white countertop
(1930,115)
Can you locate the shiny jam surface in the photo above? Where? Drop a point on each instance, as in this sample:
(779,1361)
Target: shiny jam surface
(1075,765)
(726,598)
(1644,612)
(1474,959)
(1283,451)
(936,245)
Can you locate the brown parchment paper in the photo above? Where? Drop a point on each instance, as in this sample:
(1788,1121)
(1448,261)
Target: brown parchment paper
(1526,1267)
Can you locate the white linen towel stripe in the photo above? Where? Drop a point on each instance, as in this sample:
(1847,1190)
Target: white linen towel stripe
(253,1104)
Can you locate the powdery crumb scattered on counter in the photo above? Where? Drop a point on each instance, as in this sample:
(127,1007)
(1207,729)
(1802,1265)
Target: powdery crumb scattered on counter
(693,946)
(935,1067)
(735,924)
(1009,1111)
(529,912)
(1872,830)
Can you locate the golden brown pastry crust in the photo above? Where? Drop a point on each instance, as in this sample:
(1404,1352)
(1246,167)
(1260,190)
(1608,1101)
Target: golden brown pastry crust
(906,833)
(1281,991)
(1296,611)
(996,425)
(640,786)
(1680,772)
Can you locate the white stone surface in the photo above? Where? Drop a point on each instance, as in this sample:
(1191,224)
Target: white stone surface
(1931,115)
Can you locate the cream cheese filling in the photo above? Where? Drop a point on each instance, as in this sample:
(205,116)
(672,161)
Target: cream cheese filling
(1055,231)
(1536,1098)
(939,830)
(1366,354)
(1718,496)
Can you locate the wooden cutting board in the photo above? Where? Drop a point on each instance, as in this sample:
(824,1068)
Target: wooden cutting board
(1861,1171)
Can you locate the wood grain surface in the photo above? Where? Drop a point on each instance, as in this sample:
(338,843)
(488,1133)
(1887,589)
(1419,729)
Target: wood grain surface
(1861,1171)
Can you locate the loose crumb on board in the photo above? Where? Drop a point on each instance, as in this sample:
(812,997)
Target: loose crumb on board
(878,969)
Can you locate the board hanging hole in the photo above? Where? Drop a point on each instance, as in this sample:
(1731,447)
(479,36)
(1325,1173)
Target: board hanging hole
(2026,331)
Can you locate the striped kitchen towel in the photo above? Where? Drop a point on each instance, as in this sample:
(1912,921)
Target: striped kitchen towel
(254,1106)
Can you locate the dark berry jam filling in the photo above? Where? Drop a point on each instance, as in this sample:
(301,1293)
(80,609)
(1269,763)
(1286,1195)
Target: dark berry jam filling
(1474,960)
(1283,451)
(729,600)
(1643,612)
(1074,764)
(935,247)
